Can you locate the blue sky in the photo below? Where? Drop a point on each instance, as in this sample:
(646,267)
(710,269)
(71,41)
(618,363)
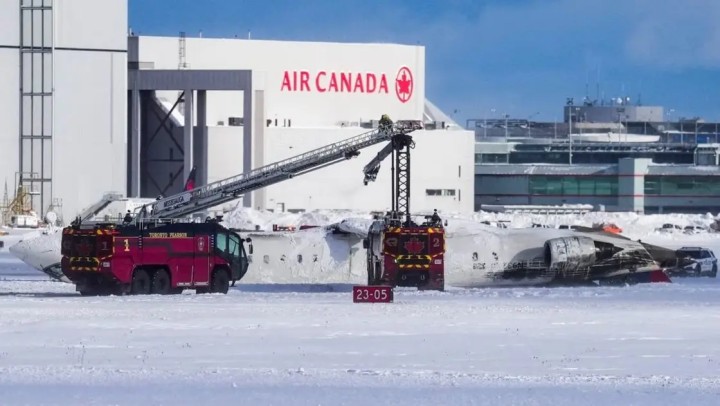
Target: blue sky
(516,56)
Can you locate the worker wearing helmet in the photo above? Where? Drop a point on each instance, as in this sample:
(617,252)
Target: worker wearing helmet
(436,218)
(385,122)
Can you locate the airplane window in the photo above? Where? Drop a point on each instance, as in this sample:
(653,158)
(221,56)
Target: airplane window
(314,257)
(475,256)
(282,258)
(299,258)
(266,259)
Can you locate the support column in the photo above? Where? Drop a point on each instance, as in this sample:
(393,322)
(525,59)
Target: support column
(201,154)
(631,184)
(188,134)
(259,147)
(135,143)
(247,138)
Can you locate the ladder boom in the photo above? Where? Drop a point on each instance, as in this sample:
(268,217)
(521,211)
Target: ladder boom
(97,207)
(399,149)
(226,190)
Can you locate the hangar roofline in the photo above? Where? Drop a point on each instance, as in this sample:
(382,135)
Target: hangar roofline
(282,40)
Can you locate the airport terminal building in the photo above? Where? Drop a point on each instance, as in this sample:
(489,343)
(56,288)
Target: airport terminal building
(641,167)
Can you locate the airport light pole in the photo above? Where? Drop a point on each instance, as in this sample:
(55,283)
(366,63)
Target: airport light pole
(668,117)
(529,125)
(570,116)
(570,136)
(492,111)
(506,126)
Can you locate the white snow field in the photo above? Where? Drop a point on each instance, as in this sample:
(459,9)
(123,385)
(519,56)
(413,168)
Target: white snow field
(308,344)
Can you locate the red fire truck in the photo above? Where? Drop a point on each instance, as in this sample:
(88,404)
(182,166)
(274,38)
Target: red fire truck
(408,255)
(401,251)
(158,250)
(153,257)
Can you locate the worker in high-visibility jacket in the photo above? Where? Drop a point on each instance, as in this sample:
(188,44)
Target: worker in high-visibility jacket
(385,122)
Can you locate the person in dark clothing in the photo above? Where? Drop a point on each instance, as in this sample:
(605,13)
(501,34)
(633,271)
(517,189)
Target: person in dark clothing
(385,122)
(128,217)
(436,218)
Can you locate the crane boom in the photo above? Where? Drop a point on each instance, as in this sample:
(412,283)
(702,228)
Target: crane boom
(399,147)
(226,190)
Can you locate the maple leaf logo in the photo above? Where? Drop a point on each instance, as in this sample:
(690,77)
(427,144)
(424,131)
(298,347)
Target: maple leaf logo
(404,84)
(84,248)
(414,246)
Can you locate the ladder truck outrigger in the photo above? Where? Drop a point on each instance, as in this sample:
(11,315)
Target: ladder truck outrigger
(400,251)
(160,249)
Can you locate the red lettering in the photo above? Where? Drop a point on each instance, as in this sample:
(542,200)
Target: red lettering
(345,82)
(383,84)
(317,82)
(371,82)
(286,82)
(304,78)
(359,86)
(333,83)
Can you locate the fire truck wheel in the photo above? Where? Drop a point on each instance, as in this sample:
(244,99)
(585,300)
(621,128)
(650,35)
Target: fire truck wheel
(220,282)
(140,283)
(161,282)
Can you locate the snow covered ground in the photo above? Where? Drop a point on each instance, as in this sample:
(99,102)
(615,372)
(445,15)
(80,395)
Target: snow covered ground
(310,345)
(271,344)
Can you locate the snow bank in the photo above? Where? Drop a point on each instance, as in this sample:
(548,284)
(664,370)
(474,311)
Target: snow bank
(633,225)
(249,219)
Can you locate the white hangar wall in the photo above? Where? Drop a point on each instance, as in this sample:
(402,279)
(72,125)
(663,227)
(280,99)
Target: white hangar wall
(69,130)
(442,176)
(310,84)
(314,94)
(437,168)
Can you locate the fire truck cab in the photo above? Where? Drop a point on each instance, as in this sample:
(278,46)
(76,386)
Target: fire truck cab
(153,257)
(411,255)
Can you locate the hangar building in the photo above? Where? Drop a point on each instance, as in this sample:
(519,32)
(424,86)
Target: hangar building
(87,114)
(63,86)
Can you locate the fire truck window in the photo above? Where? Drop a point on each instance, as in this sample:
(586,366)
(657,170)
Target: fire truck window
(222,241)
(234,246)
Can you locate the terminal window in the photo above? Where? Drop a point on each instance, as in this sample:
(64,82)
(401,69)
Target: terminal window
(573,185)
(440,192)
(682,185)
(491,158)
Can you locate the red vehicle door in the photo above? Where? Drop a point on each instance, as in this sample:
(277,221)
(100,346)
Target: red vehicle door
(201,261)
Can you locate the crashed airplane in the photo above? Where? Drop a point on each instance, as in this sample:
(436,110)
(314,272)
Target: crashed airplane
(477,255)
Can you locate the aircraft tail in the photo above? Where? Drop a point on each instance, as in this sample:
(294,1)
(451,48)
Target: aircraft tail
(190,182)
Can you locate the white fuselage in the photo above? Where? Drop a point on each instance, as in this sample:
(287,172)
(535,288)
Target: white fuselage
(474,252)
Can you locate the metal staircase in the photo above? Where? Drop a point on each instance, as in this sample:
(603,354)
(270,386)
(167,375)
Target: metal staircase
(229,189)
(37,44)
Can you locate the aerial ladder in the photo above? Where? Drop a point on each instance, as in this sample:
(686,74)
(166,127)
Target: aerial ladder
(401,251)
(227,190)
(86,245)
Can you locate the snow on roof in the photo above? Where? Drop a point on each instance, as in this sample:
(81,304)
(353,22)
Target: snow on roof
(433,113)
(683,170)
(587,170)
(545,169)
